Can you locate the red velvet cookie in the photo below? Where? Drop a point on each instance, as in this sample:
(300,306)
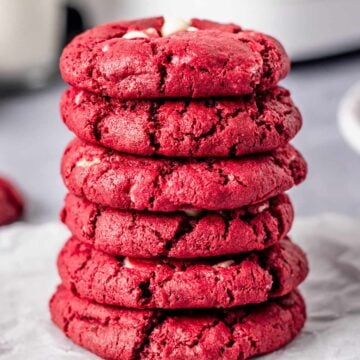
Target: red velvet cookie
(11,203)
(131,59)
(179,235)
(125,334)
(130,182)
(174,284)
(196,128)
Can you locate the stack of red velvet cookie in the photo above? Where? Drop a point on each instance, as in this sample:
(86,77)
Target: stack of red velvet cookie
(176,203)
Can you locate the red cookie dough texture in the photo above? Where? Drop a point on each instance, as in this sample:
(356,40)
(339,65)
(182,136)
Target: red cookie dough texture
(125,334)
(216,60)
(189,128)
(11,202)
(179,235)
(175,284)
(128,182)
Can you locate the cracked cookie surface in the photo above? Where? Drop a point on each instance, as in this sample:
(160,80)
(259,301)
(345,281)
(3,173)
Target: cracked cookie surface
(146,234)
(189,128)
(117,180)
(11,203)
(177,283)
(216,60)
(125,334)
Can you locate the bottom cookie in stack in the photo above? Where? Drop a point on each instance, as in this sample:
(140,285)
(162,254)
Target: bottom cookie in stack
(120,333)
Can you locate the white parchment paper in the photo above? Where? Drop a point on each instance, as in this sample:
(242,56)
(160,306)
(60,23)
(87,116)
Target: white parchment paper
(332,291)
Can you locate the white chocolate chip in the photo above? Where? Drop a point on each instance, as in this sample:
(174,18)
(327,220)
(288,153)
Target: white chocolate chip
(172,25)
(87,163)
(105,48)
(138,263)
(224,264)
(152,32)
(78,98)
(127,263)
(135,35)
(262,208)
(132,197)
(192,28)
(132,193)
(231,177)
(192,213)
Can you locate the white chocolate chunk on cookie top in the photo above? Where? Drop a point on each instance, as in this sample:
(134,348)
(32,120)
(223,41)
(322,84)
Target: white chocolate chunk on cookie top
(171,25)
(143,34)
(135,34)
(151,32)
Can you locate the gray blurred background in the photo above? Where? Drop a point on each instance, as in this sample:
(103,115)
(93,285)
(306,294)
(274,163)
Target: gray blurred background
(322,37)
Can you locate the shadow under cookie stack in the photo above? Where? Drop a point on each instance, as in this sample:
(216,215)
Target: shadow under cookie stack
(176,193)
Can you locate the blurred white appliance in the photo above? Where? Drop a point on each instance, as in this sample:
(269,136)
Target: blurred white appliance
(349,117)
(30,37)
(308,28)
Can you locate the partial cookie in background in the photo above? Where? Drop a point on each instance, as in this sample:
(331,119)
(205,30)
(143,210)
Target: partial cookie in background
(181,235)
(153,58)
(114,179)
(11,202)
(118,333)
(189,128)
(175,283)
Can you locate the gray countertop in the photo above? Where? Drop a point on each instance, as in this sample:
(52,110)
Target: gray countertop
(32,138)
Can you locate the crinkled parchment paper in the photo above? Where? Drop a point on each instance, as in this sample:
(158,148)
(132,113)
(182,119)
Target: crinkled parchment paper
(332,291)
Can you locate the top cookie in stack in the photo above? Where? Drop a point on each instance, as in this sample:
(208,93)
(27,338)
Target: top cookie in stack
(177,182)
(173,59)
